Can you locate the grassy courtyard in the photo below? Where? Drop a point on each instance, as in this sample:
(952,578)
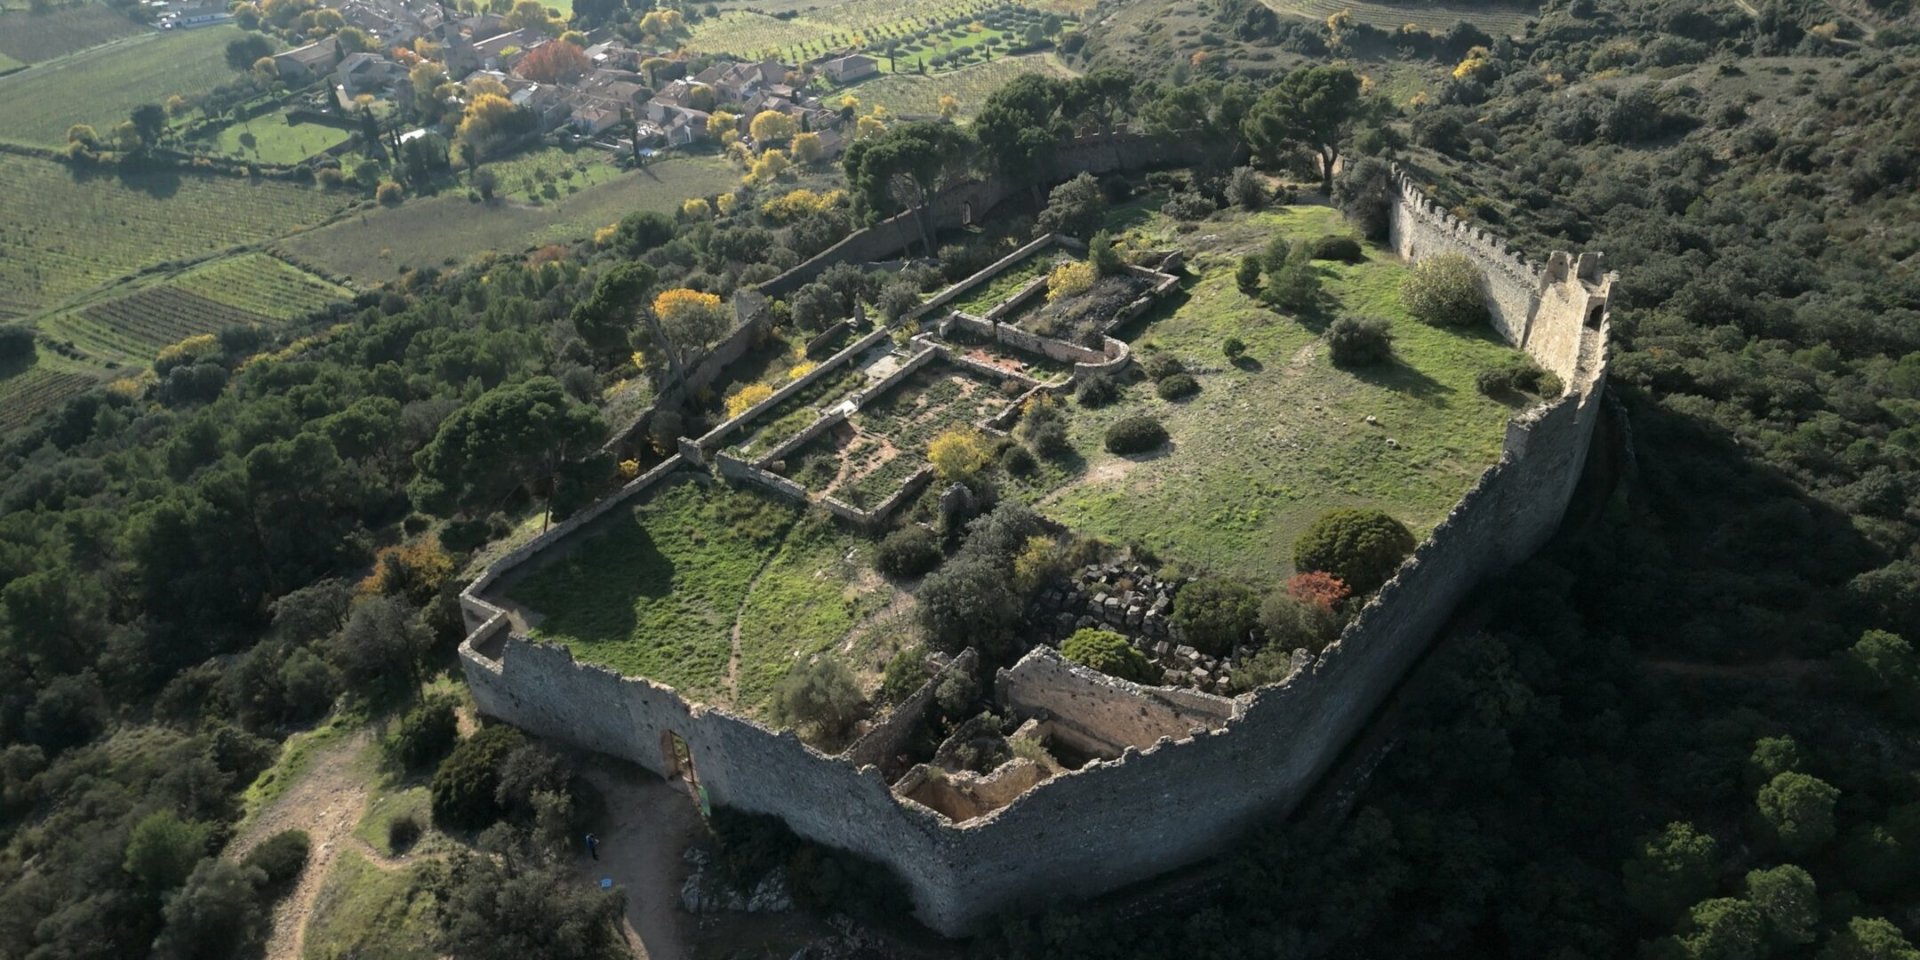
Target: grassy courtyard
(671,588)
(1269,444)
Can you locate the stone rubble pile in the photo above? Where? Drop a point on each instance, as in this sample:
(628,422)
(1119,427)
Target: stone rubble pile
(1130,600)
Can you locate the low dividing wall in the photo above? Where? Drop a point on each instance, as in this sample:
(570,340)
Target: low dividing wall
(969,202)
(726,428)
(1177,801)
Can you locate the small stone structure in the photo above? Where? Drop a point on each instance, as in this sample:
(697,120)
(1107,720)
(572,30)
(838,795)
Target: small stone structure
(1192,770)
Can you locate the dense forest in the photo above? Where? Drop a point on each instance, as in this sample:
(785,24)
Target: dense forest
(1687,729)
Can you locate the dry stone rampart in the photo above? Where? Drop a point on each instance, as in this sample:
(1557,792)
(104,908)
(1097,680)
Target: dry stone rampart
(1113,822)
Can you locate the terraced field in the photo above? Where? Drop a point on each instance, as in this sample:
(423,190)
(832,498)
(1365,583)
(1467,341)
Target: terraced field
(243,291)
(436,231)
(65,235)
(39,37)
(855,24)
(43,386)
(911,94)
(1389,16)
(103,85)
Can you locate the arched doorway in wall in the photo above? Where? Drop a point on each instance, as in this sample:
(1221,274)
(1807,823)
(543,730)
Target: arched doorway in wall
(966,213)
(1594,313)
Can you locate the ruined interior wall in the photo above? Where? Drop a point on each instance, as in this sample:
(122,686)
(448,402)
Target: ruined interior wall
(1099,714)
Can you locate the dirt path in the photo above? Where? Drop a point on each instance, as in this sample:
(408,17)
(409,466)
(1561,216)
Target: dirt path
(649,823)
(740,613)
(326,802)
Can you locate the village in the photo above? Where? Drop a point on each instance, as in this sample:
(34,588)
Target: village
(608,93)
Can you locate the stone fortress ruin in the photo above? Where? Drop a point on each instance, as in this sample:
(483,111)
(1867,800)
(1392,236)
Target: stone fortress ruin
(1148,778)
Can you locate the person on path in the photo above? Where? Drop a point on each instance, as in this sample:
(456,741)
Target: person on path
(593,846)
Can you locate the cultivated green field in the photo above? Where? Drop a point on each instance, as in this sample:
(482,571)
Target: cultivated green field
(67,232)
(916,95)
(9,64)
(435,231)
(664,590)
(102,86)
(250,289)
(270,139)
(526,176)
(46,384)
(39,37)
(1269,445)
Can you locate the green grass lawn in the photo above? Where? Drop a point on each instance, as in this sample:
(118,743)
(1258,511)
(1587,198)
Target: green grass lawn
(66,232)
(364,911)
(270,139)
(656,590)
(102,86)
(1268,446)
(448,229)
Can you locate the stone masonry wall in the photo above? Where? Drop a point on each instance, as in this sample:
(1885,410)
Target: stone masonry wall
(1175,802)
(1100,714)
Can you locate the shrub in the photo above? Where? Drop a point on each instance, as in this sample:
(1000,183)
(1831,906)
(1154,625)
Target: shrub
(1444,290)
(1178,387)
(1359,341)
(1135,434)
(1290,623)
(1214,614)
(908,552)
(403,832)
(1319,588)
(1245,189)
(959,454)
(1048,439)
(904,675)
(1109,653)
(1069,280)
(1336,247)
(463,788)
(1234,348)
(1518,375)
(1096,390)
(1073,208)
(1295,286)
(390,193)
(744,399)
(424,735)
(1160,365)
(1018,461)
(821,697)
(162,850)
(281,857)
(1103,257)
(1188,205)
(1361,547)
(1247,275)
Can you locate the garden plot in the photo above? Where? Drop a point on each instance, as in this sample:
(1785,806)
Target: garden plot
(992,292)
(714,590)
(864,460)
